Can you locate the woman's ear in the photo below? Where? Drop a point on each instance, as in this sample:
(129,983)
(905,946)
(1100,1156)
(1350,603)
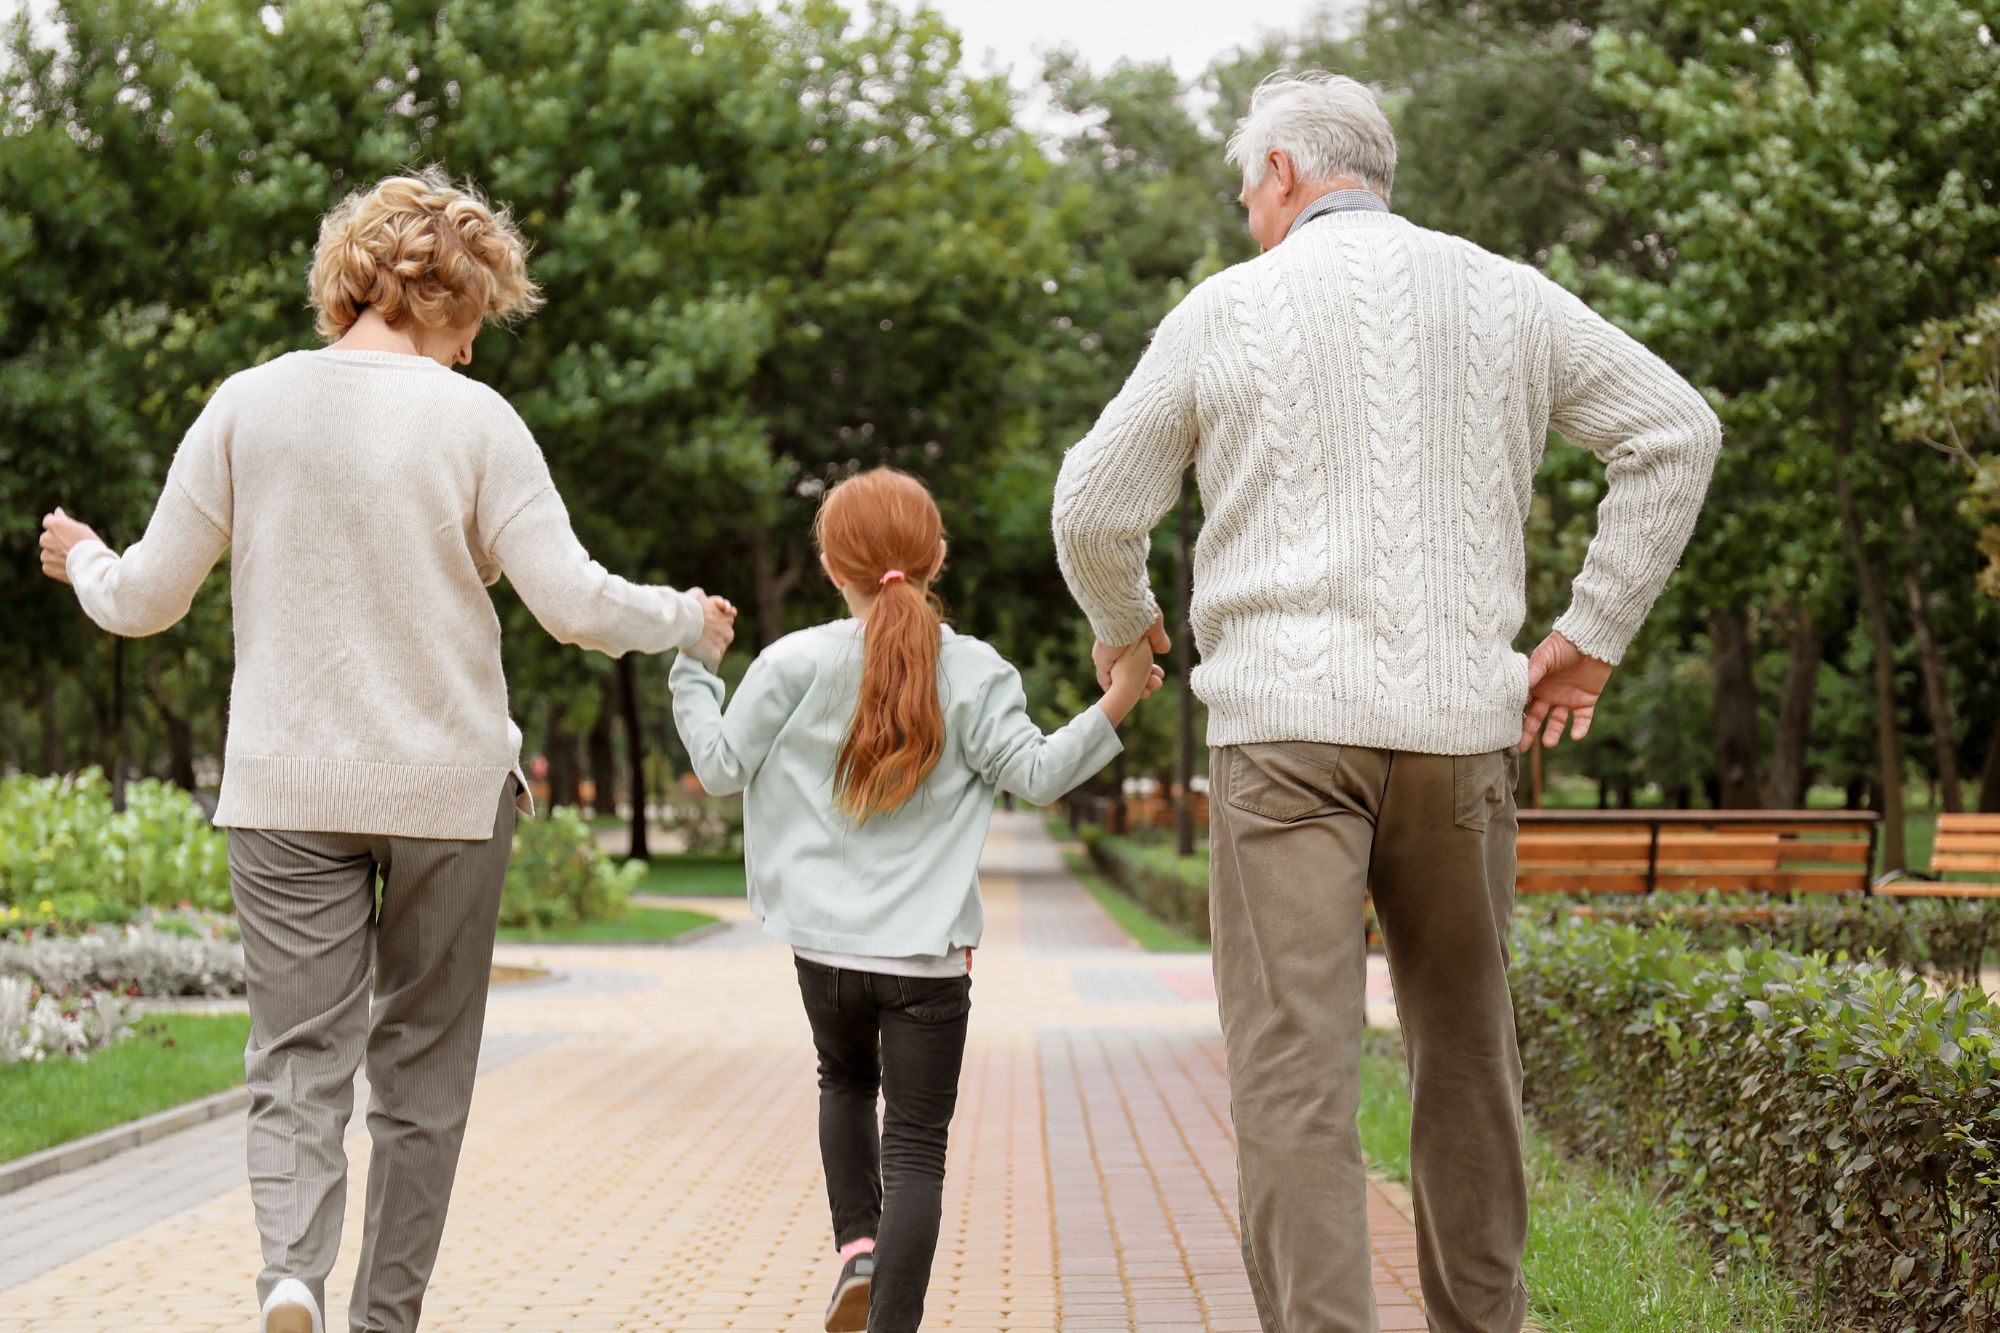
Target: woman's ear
(942,548)
(826,567)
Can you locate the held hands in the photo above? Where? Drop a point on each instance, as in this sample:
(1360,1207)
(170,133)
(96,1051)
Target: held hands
(60,535)
(1563,689)
(1132,677)
(1105,655)
(718,629)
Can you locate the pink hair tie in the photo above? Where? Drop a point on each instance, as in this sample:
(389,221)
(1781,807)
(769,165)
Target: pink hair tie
(893,576)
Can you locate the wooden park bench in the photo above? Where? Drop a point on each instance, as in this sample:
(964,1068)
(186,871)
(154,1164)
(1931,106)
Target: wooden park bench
(1965,843)
(1731,851)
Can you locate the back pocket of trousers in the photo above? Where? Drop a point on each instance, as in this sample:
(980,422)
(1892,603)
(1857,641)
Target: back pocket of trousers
(1282,781)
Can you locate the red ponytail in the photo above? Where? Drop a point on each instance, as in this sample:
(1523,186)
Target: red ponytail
(882,530)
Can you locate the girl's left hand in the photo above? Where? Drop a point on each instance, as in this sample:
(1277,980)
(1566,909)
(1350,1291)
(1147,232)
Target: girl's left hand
(60,535)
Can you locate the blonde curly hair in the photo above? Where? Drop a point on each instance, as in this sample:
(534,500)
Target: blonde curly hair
(419,249)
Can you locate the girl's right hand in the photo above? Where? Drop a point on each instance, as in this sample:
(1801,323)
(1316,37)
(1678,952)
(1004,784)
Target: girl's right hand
(718,630)
(1133,677)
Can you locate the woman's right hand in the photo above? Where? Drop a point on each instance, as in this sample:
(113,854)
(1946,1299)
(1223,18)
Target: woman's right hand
(718,630)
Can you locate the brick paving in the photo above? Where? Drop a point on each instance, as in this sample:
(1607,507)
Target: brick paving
(642,1156)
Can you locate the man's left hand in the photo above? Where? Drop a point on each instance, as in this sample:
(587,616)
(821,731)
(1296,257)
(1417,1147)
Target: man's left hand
(1563,689)
(62,534)
(1104,654)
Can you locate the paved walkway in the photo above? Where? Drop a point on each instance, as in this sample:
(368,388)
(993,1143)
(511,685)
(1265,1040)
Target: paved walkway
(642,1156)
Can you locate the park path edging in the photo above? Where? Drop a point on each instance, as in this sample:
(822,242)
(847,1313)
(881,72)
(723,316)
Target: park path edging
(25,1171)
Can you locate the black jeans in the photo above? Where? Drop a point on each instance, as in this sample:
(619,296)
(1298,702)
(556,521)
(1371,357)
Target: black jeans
(903,1037)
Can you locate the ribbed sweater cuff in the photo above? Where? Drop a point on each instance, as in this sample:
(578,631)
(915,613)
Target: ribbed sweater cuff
(1122,627)
(1595,630)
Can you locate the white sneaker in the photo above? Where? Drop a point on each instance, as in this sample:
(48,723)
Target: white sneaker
(292,1309)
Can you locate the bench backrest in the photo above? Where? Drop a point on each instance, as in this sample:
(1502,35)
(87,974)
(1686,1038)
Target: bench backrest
(1966,843)
(1782,851)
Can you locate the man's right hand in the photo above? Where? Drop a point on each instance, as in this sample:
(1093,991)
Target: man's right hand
(1563,689)
(1105,654)
(718,629)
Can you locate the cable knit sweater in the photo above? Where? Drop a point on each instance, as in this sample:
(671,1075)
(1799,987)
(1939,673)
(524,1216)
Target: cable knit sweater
(370,497)
(1365,407)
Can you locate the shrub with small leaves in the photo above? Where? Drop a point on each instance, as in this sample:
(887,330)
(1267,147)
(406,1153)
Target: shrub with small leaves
(557,875)
(1841,1118)
(159,955)
(66,856)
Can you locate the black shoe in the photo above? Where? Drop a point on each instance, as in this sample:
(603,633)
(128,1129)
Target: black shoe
(847,1312)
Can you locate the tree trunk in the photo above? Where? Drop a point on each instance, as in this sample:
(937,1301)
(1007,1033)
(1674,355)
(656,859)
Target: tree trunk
(1875,602)
(180,741)
(603,760)
(563,766)
(51,724)
(116,736)
(635,753)
(1787,784)
(1989,776)
(1737,743)
(772,581)
(1936,702)
(1184,661)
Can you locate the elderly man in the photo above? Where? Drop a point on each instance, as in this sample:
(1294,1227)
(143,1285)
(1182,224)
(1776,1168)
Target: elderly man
(1365,406)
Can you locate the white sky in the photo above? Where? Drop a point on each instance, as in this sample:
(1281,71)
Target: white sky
(1012,34)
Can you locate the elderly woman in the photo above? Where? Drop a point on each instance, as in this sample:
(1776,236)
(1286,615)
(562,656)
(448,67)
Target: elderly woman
(371,496)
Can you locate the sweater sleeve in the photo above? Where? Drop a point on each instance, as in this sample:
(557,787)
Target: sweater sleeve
(726,748)
(1003,745)
(150,587)
(526,531)
(1658,439)
(1121,477)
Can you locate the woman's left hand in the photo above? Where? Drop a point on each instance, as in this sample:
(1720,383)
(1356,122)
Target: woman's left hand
(60,535)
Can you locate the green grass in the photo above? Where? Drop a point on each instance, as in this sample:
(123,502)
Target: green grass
(695,875)
(639,925)
(1605,1255)
(173,1059)
(1147,931)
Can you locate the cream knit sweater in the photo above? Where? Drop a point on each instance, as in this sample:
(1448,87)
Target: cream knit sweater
(370,497)
(1365,408)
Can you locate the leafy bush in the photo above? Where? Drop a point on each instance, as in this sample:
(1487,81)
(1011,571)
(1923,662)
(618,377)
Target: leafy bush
(37,1025)
(1943,938)
(558,875)
(1838,1117)
(66,856)
(1172,887)
(163,956)
(708,825)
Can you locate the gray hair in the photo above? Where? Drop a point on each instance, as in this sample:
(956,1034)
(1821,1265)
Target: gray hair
(1328,124)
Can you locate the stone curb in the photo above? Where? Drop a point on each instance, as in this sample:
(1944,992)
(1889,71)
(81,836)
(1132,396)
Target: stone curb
(688,937)
(96,1147)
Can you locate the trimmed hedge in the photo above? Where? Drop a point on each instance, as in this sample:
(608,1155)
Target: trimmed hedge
(1942,938)
(1173,888)
(1838,1117)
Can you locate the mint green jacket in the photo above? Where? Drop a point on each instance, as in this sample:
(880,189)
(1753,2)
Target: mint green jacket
(902,883)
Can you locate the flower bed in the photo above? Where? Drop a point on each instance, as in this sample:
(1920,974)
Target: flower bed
(1837,1117)
(36,1024)
(159,956)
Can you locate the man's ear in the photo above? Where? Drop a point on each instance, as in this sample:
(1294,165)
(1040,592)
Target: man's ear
(1279,163)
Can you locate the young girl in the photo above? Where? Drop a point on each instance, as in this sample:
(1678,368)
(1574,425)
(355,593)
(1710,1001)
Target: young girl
(870,750)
